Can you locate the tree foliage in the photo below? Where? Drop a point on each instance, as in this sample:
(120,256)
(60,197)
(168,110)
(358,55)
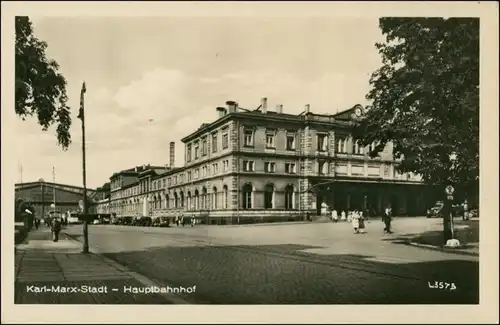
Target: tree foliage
(39,88)
(425,98)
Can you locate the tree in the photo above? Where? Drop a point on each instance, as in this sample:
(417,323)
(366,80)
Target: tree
(425,99)
(39,88)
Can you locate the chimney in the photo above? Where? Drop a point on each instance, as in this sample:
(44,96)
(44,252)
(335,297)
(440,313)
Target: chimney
(221,111)
(231,106)
(143,167)
(172,154)
(308,108)
(263,105)
(279,109)
(135,169)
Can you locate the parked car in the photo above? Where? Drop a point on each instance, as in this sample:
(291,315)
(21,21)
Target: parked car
(127,221)
(144,221)
(435,211)
(161,222)
(96,222)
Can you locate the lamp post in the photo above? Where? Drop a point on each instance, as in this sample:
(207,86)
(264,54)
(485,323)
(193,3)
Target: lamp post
(449,190)
(81,116)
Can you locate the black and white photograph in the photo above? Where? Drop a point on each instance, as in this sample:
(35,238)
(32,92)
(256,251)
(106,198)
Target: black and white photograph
(253,156)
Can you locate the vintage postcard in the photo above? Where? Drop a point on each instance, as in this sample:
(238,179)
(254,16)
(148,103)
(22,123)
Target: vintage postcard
(237,162)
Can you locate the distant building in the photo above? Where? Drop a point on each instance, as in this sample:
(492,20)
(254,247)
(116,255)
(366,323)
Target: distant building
(262,164)
(42,195)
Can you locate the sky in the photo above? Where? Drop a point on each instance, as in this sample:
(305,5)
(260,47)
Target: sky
(154,80)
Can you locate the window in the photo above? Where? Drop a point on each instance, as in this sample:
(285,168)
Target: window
(289,198)
(290,168)
(269,196)
(290,141)
(357,148)
(204,171)
(214,142)
(189,176)
(225,140)
(225,165)
(164,183)
(175,180)
(322,142)
(196,173)
(323,168)
(248,166)
(341,145)
(248,138)
(189,153)
(204,149)
(247,196)
(214,198)
(196,150)
(215,168)
(270,167)
(270,139)
(224,197)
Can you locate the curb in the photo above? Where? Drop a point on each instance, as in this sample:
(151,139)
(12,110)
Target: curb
(170,297)
(442,249)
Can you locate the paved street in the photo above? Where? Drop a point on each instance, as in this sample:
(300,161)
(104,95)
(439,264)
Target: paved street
(297,263)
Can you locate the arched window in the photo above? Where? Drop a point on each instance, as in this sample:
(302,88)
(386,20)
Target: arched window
(269,196)
(196,200)
(247,196)
(203,203)
(167,201)
(182,199)
(225,196)
(155,203)
(214,198)
(176,200)
(189,203)
(289,198)
(159,202)
(340,145)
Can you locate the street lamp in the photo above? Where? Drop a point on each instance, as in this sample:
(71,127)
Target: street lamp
(449,190)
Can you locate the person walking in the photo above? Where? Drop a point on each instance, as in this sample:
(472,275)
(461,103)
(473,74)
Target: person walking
(465,215)
(355,222)
(193,221)
(335,217)
(56,228)
(386,218)
(342,216)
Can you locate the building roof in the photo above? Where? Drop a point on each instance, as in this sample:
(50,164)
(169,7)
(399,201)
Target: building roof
(341,119)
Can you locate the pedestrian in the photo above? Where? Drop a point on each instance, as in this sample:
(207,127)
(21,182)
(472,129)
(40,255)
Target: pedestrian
(56,228)
(342,216)
(182,221)
(193,221)
(362,222)
(349,216)
(355,222)
(466,211)
(386,218)
(335,217)
(308,216)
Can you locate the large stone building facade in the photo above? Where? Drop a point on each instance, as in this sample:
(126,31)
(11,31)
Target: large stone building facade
(263,164)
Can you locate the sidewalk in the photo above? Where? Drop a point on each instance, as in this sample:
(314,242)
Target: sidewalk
(466,231)
(50,272)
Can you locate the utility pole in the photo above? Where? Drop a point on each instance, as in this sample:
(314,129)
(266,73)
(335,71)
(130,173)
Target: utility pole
(81,116)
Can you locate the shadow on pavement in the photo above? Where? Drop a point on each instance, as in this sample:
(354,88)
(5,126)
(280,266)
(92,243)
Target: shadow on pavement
(284,274)
(467,232)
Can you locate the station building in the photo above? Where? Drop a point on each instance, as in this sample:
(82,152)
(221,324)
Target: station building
(48,196)
(261,165)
